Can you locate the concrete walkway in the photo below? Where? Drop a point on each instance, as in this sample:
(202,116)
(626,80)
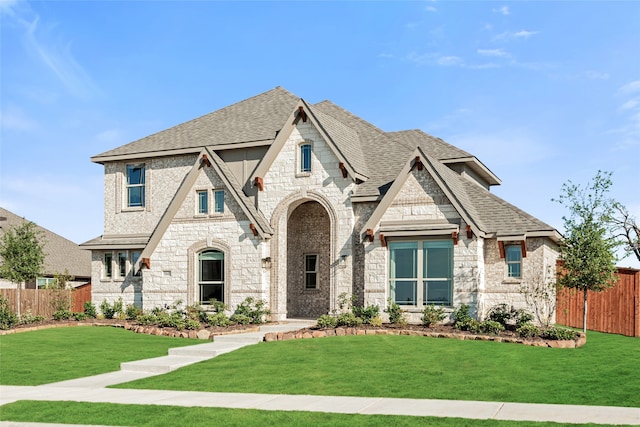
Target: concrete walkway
(92,389)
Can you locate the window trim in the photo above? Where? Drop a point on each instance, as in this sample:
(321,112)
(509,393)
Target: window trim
(200,282)
(421,280)
(301,170)
(315,272)
(107,266)
(199,206)
(141,185)
(510,263)
(218,205)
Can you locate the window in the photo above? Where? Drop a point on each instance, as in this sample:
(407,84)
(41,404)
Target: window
(122,264)
(305,158)
(135,185)
(134,258)
(211,276)
(45,282)
(108,265)
(514,260)
(311,271)
(421,272)
(218,201)
(203,202)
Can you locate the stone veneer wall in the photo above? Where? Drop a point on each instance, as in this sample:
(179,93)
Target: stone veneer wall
(539,264)
(308,232)
(285,189)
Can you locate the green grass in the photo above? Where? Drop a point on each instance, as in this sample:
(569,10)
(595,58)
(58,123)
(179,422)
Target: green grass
(151,415)
(603,372)
(51,355)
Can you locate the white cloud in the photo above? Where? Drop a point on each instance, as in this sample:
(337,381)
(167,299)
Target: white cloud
(430,9)
(504,10)
(509,35)
(492,52)
(629,105)
(56,57)
(449,60)
(630,87)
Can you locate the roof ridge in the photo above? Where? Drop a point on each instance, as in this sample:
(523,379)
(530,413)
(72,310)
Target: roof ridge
(349,113)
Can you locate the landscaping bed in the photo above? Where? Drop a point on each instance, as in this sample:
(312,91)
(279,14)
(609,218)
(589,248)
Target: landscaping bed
(435,331)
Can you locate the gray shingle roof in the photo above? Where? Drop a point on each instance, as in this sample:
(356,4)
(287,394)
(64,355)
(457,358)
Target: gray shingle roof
(377,155)
(60,254)
(254,119)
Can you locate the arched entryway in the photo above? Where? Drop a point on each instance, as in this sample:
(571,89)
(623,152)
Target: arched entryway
(308,261)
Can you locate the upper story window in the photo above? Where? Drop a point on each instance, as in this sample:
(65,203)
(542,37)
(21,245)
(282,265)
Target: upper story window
(305,158)
(135,185)
(514,260)
(203,201)
(218,201)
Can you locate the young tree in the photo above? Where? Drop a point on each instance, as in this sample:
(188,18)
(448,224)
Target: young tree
(22,255)
(588,249)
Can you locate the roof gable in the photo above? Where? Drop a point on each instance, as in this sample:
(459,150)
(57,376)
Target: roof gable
(207,158)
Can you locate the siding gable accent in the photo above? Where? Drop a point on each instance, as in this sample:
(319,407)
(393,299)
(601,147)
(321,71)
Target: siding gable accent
(419,159)
(207,158)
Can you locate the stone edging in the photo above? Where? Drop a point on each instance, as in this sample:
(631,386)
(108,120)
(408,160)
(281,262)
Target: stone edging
(321,333)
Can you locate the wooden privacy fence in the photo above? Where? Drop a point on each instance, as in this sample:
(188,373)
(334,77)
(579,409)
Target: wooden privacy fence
(40,301)
(616,310)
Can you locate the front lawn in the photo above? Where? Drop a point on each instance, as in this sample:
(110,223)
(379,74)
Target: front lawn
(52,355)
(161,416)
(603,372)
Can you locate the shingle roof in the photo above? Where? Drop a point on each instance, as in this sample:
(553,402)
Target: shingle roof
(376,155)
(255,119)
(60,254)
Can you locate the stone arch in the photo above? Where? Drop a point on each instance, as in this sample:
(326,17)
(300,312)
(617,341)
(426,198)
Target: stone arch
(192,270)
(279,267)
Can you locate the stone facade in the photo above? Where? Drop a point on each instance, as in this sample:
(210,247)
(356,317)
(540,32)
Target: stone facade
(309,212)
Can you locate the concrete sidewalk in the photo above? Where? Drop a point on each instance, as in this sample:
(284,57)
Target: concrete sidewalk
(91,389)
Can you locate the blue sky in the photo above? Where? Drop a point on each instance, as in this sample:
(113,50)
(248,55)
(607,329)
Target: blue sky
(541,92)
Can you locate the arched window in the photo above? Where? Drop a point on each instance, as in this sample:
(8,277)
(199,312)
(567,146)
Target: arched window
(211,276)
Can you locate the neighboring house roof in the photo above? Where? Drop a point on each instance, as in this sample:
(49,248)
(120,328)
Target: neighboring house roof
(60,254)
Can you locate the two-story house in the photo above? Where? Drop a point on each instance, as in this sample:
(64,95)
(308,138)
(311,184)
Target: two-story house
(296,203)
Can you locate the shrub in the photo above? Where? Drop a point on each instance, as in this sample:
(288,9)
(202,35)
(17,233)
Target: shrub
(132,312)
(491,327)
(109,311)
(173,320)
(62,314)
(147,319)
(254,310)
(192,324)
(217,319)
(327,321)
(528,330)
(80,315)
(349,319)
(90,309)
(28,318)
(7,317)
(396,316)
(432,314)
(501,313)
(194,311)
(558,333)
(366,313)
(376,321)
(217,306)
(461,314)
(240,319)
(522,317)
